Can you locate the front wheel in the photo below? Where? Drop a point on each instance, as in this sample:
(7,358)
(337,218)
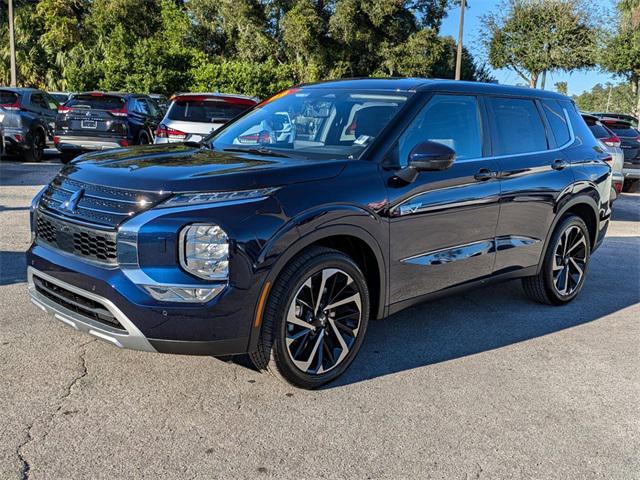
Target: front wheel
(565,263)
(315,319)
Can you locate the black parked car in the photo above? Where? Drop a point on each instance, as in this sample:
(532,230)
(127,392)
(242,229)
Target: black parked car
(630,144)
(100,121)
(28,118)
(383,194)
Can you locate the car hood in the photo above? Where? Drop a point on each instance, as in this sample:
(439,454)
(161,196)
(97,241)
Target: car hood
(183,168)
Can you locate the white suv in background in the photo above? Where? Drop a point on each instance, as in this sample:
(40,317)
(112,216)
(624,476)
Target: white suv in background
(193,116)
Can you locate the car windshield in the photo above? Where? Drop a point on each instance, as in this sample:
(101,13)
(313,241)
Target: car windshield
(206,110)
(313,123)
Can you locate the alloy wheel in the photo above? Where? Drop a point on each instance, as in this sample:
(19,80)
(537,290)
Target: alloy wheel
(569,260)
(323,321)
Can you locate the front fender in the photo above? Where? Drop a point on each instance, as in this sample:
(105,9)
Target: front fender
(319,224)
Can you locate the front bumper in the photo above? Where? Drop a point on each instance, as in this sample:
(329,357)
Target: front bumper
(127,337)
(217,327)
(82,143)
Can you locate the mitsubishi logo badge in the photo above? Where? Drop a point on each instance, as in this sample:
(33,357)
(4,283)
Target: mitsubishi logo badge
(72,204)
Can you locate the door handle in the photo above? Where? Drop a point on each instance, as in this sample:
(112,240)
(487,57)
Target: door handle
(484,174)
(559,164)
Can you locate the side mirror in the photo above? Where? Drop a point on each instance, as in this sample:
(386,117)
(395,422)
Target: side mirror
(426,156)
(431,156)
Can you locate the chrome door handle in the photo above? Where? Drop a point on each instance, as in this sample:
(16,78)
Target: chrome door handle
(559,164)
(484,174)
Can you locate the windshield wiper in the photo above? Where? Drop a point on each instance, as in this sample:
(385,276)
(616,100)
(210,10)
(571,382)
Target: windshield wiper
(258,151)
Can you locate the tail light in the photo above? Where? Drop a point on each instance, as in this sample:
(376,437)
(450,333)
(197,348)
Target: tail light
(612,141)
(18,137)
(56,140)
(63,109)
(165,132)
(123,142)
(119,112)
(618,187)
(262,137)
(11,106)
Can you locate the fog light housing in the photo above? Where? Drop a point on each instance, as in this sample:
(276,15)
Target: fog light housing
(204,251)
(183,294)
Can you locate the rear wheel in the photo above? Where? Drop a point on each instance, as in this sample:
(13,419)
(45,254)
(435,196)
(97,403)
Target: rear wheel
(630,186)
(315,319)
(565,264)
(35,152)
(143,139)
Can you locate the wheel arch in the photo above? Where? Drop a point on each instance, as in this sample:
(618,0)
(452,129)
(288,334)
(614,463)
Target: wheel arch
(584,206)
(354,241)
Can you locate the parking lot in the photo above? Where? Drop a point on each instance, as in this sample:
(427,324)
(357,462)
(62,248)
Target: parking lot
(481,385)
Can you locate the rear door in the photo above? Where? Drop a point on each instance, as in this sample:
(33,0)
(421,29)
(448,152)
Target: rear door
(528,138)
(46,108)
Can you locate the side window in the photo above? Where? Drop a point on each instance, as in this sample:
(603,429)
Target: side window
(453,120)
(518,126)
(580,129)
(557,121)
(38,100)
(140,106)
(50,102)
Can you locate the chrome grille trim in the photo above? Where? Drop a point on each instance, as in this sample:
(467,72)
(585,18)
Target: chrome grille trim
(98,205)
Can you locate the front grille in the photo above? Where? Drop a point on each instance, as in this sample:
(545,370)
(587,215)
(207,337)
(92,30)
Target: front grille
(96,245)
(76,303)
(99,205)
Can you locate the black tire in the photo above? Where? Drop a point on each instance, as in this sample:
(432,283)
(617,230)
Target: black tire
(35,151)
(144,139)
(546,287)
(300,274)
(66,157)
(630,186)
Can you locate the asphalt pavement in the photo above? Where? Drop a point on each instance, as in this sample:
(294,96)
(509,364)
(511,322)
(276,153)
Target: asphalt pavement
(481,385)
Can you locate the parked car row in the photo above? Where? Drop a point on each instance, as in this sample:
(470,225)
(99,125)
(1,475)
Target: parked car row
(80,122)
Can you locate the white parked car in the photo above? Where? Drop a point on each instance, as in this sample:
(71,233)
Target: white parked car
(193,116)
(610,142)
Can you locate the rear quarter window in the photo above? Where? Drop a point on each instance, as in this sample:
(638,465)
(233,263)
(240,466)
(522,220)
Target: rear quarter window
(557,121)
(96,102)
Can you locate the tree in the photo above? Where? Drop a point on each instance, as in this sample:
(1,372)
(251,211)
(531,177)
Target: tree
(533,37)
(562,88)
(609,97)
(621,54)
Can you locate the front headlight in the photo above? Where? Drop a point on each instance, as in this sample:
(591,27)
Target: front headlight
(204,251)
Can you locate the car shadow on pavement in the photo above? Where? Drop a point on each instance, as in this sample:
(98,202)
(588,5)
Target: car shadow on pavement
(489,318)
(13,267)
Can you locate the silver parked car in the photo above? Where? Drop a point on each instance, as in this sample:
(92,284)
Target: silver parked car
(610,142)
(193,116)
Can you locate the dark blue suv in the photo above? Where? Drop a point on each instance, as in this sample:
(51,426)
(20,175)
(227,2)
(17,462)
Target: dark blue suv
(104,120)
(327,206)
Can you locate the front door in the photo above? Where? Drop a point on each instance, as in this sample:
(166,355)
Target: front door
(442,226)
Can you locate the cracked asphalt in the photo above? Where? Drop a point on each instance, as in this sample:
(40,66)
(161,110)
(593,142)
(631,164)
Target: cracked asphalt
(480,385)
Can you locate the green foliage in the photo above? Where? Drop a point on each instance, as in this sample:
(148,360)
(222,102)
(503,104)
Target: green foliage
(607,98)
(531,37)
(256,47)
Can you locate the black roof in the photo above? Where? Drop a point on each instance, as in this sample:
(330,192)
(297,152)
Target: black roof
(425,84)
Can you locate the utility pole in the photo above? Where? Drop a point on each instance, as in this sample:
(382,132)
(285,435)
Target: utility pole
(460,32)
(12,45)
